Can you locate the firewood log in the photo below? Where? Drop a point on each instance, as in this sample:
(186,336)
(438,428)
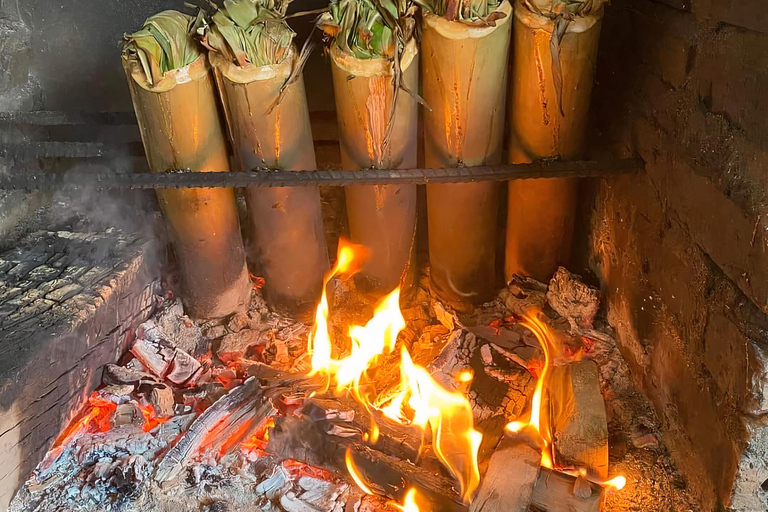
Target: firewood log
(554,492)
(579,425)
(508,484)
(306,441)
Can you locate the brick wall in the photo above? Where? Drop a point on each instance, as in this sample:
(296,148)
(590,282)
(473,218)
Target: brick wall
(682,251)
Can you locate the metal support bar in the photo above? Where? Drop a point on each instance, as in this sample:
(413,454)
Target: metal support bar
(276,178)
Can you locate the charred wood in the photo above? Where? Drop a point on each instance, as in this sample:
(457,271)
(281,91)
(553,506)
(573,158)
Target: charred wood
(572,299)
(400,441)
(189,444)
(306,441)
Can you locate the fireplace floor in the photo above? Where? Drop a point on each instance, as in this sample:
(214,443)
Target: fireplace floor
(203,436)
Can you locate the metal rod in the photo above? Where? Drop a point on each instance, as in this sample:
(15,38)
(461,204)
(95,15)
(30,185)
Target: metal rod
(274,178)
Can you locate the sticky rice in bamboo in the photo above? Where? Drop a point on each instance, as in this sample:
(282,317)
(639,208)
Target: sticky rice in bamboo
(174,97)
(257,69)
(555,49)
(464,51)
(374,61)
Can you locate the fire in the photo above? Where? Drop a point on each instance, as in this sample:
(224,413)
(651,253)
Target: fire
(542,334)
(409,503)
(616,483)
(448,414)
(540,370)
(97,418)
(419,400)
(355,474)
(151,420)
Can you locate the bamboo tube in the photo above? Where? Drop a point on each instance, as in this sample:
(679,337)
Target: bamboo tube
(464,70)
(381,217)
(180,128)
(540,216)
(286,222)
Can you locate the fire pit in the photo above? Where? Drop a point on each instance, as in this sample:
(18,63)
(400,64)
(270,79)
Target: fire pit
(349,413)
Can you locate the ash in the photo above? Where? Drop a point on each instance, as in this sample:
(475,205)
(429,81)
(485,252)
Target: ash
(183,421)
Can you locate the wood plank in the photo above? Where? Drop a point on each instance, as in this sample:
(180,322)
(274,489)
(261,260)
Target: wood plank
(579,425)
(508,484)
(555,492)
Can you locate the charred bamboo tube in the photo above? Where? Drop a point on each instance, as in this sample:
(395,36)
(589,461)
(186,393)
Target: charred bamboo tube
(464,70)
(181,129)
(540,216)
(381,217)
(286,223)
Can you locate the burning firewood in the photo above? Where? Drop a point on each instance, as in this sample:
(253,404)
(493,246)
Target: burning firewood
(391,476)
(556,491)
(197,435)
(509,482)
(579,426)
(393,438)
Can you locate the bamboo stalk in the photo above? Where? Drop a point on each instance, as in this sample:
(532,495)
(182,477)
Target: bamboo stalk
(464,70)
(381,217)
(286,223)
(540,216)
(180,128)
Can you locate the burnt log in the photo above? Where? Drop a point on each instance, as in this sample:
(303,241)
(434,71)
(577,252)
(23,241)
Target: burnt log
(555,491)
(67,302)
(508,484)
(572,299)
(190,443)
(234,345)
(394,439)
(307,441)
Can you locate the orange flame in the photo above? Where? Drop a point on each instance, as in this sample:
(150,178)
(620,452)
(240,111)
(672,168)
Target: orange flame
(151,420)
(541,369)
(409,502)
(617,483)
(354,473)
(448,414)
(542,334)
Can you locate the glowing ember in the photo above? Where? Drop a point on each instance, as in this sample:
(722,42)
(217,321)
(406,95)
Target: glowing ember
(151,420)
(258,442)
(298,469)
(97,418)
(420,400)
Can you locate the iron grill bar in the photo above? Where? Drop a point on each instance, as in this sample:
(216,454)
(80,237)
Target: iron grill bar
(276,178)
